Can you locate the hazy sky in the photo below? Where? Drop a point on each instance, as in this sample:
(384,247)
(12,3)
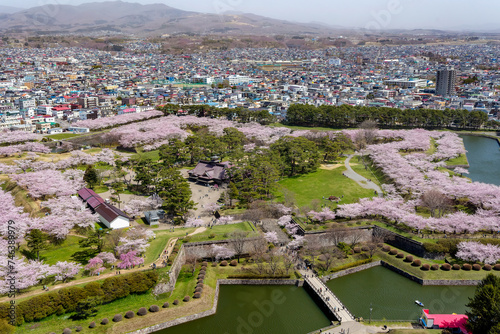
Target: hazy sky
(440,14)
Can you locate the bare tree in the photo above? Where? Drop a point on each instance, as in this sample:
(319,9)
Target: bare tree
(335,236)
(273,261)
(326,259)
(436,202)
(238,242)
(354,237)
(191,263)
(287,263)
(113,240)
(369,131)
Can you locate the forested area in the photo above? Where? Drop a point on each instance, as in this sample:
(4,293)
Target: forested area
(347,116)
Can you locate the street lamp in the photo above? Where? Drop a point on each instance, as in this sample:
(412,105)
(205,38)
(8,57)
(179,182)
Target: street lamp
(371,309)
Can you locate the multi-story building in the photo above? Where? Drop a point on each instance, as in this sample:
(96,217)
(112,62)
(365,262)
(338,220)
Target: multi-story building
(446,81)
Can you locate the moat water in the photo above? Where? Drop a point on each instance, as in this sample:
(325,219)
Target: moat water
(268,309)
(484,159)
(392,296)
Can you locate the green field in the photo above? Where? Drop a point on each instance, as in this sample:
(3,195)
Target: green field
(65,135)
(153,155)
(323,183)
(221,232)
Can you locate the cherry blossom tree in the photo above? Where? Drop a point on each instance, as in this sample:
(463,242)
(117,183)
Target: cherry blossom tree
(95,266)
(64,270)
(271,237)
(107,257)
(221,252)
(129,260)
(477,252)
(193,222)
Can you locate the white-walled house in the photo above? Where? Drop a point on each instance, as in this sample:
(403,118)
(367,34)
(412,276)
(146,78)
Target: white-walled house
(109,215)
(112,217)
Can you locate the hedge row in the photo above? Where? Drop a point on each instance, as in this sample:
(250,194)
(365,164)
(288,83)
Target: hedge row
(65,300)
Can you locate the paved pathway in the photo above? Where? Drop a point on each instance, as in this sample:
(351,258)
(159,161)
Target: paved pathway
(362,181)
(333,303)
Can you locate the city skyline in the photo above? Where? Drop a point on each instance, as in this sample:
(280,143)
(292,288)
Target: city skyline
(370,14)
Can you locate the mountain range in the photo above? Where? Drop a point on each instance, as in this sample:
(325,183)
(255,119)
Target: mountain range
(155,19)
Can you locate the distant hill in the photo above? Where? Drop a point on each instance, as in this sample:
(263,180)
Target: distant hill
(9,9)
(155,19)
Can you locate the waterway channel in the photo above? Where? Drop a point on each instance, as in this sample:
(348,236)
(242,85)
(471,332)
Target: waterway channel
(392,296)
(262,309)
(484,158)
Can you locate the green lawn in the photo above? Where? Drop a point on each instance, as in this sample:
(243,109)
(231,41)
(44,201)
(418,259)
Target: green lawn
(153,155)
(62,252)
(101,189)
(461,160)
(221,232)
(60,136)
(431,274)
(323,183)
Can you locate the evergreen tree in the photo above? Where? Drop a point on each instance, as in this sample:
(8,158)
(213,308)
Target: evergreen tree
(484,314)
(91,177)
(36,241)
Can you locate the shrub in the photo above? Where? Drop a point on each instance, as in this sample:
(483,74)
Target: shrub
(104,321)
(223,263)
(386,248)
(117,318)
(142,311)
(487,267)
(408,258)
(67,331)
(129,314)
(92,324)
(204,268)
(425,267)
(234,263)
(166,305)
(211,235)
(476,267)
(197,295)
(356,250)
(78,328)
(201,277)
(435,266)
(456,267)
(496,266)
(416,263)
(204,263)
(199,285)
(400,255)
(186,299)
(202,272)
(446,267)
(393,251)
(199,289)
(350,265)
(364,249)
(467,267)
(200,280)
(176,302)
(154,308)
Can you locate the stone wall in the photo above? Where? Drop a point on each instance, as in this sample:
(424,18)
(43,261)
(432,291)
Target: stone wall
(318,239)
(295,282)
(179,261)
(351,270)
(202,249)
(406,244)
